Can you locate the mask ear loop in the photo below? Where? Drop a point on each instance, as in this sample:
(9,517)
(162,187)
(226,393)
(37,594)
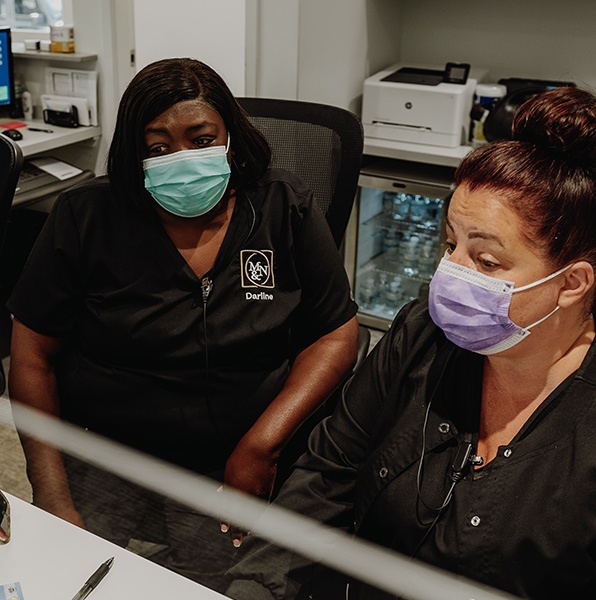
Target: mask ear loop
(541,281)
(550,314)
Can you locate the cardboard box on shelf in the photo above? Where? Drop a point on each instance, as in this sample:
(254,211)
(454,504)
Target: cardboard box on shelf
(62,38)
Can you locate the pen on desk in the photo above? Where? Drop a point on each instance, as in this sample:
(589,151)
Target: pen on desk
(94,580)
(41,130)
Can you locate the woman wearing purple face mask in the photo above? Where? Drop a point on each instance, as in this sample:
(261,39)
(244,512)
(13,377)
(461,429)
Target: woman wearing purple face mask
(468,438)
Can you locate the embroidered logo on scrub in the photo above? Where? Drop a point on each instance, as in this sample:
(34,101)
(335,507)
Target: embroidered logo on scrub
(256,267)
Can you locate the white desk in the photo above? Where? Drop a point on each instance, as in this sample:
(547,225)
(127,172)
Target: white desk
(38,141)
(52,559)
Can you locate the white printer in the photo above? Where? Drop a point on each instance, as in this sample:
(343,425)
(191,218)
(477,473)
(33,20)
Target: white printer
(419,104)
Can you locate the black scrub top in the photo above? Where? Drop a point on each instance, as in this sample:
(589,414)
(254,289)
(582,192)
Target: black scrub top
(156,357)
(524,523)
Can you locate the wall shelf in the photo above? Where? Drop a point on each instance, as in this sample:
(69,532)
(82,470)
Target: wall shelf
(34,142)
(77,57)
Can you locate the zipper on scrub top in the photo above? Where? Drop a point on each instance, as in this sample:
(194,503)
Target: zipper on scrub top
(206,287)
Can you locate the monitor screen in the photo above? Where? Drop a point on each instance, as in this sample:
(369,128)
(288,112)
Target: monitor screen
(6,70)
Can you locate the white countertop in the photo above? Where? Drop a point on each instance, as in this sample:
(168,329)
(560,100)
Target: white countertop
(34,142)
(52,559)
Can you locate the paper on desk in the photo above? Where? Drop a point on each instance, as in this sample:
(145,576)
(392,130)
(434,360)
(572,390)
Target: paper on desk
(11,591)
(57,168)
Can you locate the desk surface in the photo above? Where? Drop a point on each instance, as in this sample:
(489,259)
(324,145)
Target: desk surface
(52,559)
(39,141)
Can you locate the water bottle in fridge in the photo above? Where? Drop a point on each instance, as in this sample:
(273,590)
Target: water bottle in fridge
(409,256)
(428,259)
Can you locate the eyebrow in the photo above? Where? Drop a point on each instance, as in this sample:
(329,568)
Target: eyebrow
(485,236)
(197,127)
(480,235)
(202,125)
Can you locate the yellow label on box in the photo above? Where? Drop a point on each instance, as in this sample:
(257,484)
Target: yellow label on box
(62,46)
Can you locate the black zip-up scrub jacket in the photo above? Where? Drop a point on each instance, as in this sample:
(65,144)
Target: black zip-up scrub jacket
(173,364)
(525,523)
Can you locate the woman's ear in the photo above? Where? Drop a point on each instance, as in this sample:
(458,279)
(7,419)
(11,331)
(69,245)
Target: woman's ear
(578,284)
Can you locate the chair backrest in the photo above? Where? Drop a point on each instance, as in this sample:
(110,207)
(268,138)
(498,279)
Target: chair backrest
(11,162)
(321,144)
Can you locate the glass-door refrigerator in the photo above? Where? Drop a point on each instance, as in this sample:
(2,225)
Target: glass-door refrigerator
(396,235)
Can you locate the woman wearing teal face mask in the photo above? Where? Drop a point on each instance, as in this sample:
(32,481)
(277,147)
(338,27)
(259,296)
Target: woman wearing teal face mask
(186,311)
(188,183)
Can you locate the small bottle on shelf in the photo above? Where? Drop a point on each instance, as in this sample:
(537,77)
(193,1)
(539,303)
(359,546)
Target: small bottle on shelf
(409,256)
(393,295)
(434,207)
(367,292)
(427,259)
(391,241)
(388,202)
(418,209)
(401,206)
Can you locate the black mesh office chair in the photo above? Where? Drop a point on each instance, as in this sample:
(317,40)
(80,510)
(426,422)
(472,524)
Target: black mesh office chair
(11,162)
(321,144)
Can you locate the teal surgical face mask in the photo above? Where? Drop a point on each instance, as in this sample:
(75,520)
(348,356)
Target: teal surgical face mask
(188,183)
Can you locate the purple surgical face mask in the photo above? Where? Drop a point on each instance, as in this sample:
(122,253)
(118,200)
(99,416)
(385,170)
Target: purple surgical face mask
(472,308)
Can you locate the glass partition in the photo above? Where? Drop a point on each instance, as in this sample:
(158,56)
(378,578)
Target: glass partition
(125,493)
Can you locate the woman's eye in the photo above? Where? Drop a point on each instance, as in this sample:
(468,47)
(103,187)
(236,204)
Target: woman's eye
(157,149)
(487,263)
(201,142)
(450,247)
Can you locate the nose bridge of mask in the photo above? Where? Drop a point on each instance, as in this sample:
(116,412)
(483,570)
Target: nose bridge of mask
(183,155)
(491,283)
(475,277)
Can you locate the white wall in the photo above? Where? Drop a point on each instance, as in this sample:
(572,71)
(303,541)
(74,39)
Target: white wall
(95,33)
(541,39)
(211,31)
(277,48)
(341,43)
(306,49)
(322,51)
(124,43)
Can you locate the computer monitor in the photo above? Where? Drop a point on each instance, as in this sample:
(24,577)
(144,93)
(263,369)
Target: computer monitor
(7,93)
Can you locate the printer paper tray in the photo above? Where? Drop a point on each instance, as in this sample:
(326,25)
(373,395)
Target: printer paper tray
(411,133)
(402,126)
